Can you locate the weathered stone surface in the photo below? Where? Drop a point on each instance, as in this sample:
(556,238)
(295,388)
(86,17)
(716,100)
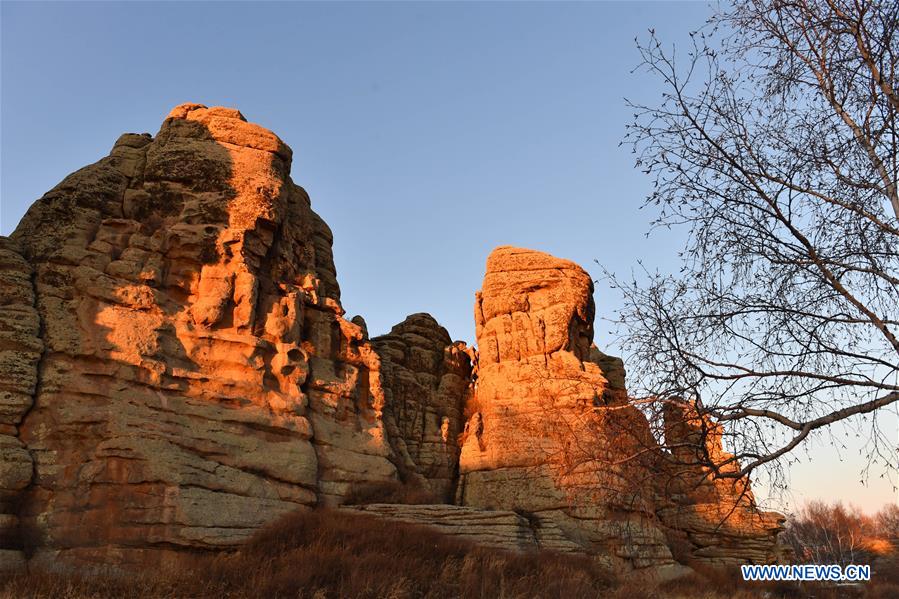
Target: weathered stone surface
(12,561)
(491,528)
(715,520)
(532,304)
(539,440)
(199,378)
(427,381)
(177,372)
(553,433)
(20,352)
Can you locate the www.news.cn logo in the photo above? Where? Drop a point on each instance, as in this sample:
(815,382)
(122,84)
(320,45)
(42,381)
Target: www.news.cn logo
(807,572)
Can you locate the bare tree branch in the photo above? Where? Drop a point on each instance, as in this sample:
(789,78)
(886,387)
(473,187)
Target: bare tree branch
(775,145)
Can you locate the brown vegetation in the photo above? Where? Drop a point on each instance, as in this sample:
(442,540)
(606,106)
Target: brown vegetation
(825,533)
(333,553)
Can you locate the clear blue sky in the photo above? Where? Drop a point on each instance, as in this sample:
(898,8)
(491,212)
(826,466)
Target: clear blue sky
(425,133)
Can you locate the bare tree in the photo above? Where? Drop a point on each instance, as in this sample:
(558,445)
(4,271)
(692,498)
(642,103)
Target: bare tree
(775,144)
(830,534)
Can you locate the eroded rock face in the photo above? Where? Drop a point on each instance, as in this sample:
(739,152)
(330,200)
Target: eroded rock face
(178,372)
(198,377)
(490,528)
(711,520)
(426,380)
(20,351)
(553,434)
(536,441)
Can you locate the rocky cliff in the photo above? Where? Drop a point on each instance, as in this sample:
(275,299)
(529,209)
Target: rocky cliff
(178,371)
(178,345)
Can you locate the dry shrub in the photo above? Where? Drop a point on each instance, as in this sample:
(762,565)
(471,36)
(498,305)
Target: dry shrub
(391,491)
(721,581)
(323,554)
(887,590)
(716,582)
(833,533)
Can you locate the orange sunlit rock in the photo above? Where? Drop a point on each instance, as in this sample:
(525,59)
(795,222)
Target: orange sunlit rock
(553,433)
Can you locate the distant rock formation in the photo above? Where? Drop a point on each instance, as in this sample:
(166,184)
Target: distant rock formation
(177,371)
(714,520)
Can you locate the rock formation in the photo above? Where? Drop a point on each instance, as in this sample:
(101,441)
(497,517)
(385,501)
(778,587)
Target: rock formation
(554,434)
(491,528)
(198,377)
(537,441)
(711,520)
(20,350)
(177,372)
(426,381)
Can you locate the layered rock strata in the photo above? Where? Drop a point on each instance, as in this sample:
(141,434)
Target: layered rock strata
(551,434)
(491,528)
(710,520)
(20,351)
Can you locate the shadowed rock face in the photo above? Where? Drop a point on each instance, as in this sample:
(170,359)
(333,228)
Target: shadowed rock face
(198,377)
(427,381)
(20,350)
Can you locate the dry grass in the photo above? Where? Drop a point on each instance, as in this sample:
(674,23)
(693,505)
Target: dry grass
(330,553)
(326,554)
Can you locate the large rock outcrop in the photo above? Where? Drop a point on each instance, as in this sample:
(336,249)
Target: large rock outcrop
(198,377)
(553,434)
(539,440)
(177,372)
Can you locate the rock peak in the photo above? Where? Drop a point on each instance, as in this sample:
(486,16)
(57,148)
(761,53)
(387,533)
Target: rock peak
(532,303)
(182,111)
